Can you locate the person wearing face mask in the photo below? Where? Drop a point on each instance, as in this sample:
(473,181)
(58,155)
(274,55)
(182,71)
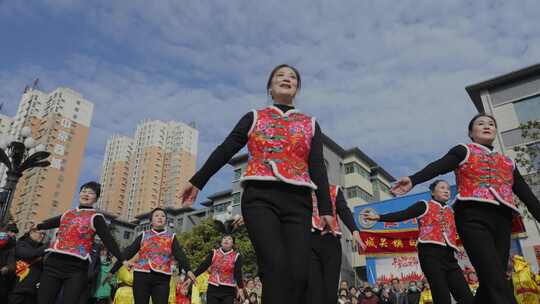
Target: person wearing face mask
(104,288)
(29,252)
(67,262)
(225,282)
(413,294)
(484,207)
(369,297)
(156,249)
(437,243)
(376,290)
(285,165)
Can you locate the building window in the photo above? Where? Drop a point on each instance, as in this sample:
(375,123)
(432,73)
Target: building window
(221,207)
(528,109)
(236,198)
(355,168)
(357,192)
(237,174)
(127,235)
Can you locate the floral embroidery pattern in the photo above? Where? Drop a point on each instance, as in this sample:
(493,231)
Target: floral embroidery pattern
(316,219)
(437,225)
(486,175)
(222,269)
(282,141)
(155,252)
(75,235)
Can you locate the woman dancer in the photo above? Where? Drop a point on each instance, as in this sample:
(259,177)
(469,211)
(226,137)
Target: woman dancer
(285,164)
(66,264)
(484,204)
(326,249)
(226,281)
(153,268)
(437,241)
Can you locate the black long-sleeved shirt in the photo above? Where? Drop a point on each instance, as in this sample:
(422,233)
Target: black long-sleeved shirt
(102,230)
(414,210)
(132,249)
(455,156)
(238,138)
(28,250)
(344,212)
(237,268)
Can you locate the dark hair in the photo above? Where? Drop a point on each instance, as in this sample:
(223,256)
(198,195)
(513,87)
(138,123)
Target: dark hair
(94,186)
(435,183)
(229,235)
(155,210)
(475,117)
(395,279)
(269,83)
(342,290)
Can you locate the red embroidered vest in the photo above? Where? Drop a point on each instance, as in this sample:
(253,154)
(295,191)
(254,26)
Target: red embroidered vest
(437,225)
(76,233)
(279,145)
(155,252)
(316,219)
(222,269)
(485,176)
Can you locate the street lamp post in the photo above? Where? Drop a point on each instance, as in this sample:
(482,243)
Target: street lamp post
(18,155)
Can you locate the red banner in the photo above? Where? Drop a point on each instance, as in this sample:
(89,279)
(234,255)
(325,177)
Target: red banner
(388,242)
(380,242)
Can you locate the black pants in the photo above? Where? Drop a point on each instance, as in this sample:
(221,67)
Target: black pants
(485,231)
(443,273)
(324,269)
(278,220)
(220,294)
(22,298)
(151,284)
(65,271)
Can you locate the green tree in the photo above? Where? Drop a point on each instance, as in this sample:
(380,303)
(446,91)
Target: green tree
(198,242)
(528,160)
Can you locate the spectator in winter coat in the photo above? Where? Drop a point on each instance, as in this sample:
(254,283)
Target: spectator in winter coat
(29,252)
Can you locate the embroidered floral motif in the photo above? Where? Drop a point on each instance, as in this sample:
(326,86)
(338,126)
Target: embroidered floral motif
(279,147)
(487,176)
(316,219)
(75,235)
(437,225)
(155,252)
(222,269)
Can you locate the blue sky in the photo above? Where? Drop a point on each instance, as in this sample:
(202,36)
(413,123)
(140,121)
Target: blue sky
(386,76)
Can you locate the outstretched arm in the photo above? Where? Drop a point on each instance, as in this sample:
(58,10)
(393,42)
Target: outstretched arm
(233,143)
(50,223)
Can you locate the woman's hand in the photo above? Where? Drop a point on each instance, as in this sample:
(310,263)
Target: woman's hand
(189,195)
(402,186)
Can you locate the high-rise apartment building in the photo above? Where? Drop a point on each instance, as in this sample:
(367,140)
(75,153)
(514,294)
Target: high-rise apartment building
(150,170)
(60,120)
(115,172)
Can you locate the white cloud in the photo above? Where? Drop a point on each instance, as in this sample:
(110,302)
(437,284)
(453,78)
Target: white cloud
(386,76)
